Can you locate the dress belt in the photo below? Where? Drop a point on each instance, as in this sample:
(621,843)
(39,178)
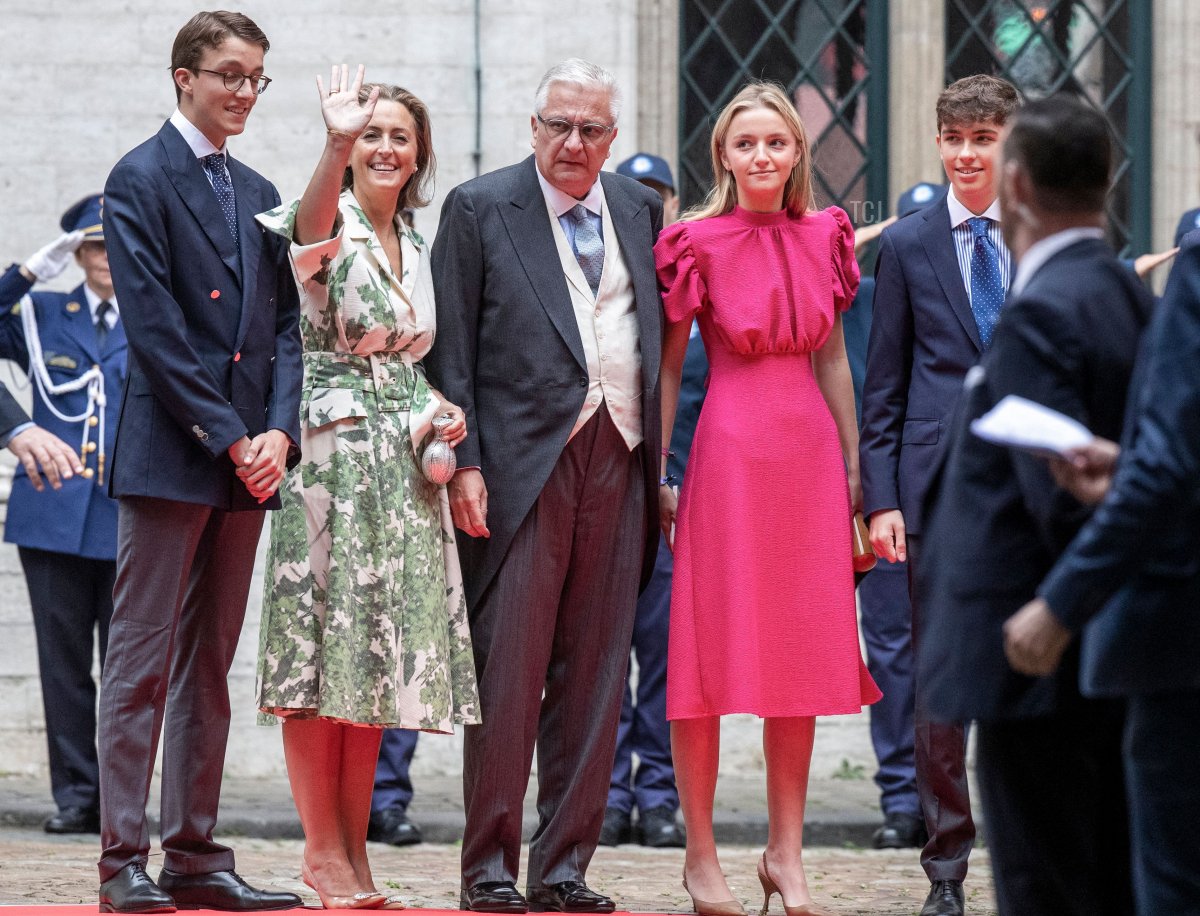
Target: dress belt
(396,382)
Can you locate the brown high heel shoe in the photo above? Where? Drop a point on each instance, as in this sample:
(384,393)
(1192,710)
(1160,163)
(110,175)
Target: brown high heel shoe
(363,900)
(770,887)
(729,907)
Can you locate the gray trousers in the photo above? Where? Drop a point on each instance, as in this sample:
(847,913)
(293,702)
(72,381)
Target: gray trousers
(551,636)
(941,766)
(183,575)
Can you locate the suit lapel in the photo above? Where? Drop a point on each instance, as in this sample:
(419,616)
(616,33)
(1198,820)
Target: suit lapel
(938,241)
(528,223)
(78,326)
(632,225)
(187,176)
(248,196)
(116,338)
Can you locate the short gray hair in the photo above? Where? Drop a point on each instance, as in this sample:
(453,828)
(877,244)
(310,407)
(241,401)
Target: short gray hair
(579,72)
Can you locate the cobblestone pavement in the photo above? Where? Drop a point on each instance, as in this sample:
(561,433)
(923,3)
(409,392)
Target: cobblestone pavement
(36,868)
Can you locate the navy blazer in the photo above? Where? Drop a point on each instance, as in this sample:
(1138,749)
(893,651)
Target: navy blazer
(508,350)
(213,325)
(11,413)
(923,340)
(1134,569)
(81,518)
(995,521)
(693,386)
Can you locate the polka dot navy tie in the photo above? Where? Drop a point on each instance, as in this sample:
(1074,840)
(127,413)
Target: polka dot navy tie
(214,165)
(987,289)
(589,247)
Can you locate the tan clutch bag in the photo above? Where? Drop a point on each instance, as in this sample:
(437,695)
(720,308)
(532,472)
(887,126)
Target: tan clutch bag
(860,543)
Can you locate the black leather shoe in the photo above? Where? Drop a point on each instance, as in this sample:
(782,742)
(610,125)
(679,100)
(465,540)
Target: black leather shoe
(569,897)
(221,890)
(74,820)
(616,829)
(131,891)
(657,828)
(945,899)
(900,831)
(393,826)
(493,897)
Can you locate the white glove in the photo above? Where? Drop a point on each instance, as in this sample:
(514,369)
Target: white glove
(47,263)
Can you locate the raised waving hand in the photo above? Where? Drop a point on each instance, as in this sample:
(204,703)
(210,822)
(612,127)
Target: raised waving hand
(340,106)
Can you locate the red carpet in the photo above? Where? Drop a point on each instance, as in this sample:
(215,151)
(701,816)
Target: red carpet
(89,909)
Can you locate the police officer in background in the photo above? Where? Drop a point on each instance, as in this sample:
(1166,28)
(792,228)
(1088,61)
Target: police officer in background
(72,346)
(643,730)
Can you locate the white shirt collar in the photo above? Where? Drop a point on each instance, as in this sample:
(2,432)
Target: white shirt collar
(561,202)
(94,300)
(960,214)
(200,144)
(1043,250)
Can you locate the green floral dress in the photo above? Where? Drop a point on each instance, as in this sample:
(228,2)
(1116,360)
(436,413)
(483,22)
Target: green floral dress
(364,618)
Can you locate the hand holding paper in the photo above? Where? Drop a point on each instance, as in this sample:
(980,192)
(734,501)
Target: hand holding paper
(1087,472)
(1020,423)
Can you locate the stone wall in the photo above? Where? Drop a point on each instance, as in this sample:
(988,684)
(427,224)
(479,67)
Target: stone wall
(73,113)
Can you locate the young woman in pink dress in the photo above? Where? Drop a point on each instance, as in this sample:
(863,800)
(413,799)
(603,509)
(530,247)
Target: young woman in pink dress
(762,612)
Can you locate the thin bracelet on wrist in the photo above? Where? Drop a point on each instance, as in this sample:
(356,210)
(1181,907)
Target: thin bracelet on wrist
(340,133)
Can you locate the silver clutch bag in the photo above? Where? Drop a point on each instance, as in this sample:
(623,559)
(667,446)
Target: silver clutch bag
(437,461)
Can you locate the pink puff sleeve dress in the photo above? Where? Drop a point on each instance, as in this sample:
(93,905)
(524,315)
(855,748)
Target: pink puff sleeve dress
(762,607)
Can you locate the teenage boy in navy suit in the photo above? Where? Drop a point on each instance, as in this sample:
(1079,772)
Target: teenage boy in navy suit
(1048,760)
(208,425)
(940,279)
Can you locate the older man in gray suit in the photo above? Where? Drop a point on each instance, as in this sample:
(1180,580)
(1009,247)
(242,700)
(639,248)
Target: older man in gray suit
(549,338)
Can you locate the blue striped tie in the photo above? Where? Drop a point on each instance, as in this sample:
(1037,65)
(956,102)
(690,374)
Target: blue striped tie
(987,289)
(214,164)
(589,247)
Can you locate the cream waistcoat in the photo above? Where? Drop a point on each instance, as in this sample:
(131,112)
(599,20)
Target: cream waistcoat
(608,327)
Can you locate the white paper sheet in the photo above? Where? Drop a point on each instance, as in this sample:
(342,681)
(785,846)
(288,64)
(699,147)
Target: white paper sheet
(1021,423)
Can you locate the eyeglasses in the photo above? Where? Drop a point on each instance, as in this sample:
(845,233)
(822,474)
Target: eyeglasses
(590,133)
(233,81)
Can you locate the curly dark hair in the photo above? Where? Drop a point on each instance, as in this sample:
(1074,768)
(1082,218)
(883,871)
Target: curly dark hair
(977,99)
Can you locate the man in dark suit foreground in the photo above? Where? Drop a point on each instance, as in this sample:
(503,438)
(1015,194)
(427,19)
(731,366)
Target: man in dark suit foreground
(1048,760)
(209,420)
(1129,583)
(549,337)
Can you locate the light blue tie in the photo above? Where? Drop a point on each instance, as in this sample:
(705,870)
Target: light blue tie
(987,289)
(589,247)
(214,164)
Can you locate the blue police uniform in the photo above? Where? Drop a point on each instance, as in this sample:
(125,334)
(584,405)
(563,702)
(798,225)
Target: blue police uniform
(642,729)
(67,537)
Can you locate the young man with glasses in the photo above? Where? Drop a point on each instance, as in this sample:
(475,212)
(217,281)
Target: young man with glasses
(209,423)
(549,338)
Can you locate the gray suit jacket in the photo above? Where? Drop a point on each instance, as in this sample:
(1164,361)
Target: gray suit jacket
(508,350)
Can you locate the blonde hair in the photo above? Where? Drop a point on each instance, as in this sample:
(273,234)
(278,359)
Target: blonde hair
(722,197)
